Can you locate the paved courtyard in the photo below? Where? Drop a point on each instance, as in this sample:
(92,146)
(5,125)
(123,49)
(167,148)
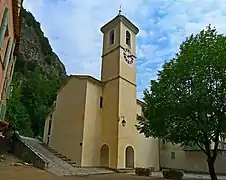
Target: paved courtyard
(31,173)
(9,172)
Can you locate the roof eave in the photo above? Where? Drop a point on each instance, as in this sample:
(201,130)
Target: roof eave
(118,18)
(17,20)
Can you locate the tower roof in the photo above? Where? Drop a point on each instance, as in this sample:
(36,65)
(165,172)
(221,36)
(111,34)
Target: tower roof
(118,18)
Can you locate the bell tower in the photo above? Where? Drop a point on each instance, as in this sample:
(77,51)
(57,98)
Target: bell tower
(118,74)
(119,49)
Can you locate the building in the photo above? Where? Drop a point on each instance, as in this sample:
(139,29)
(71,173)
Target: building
(93,121)
(10,19)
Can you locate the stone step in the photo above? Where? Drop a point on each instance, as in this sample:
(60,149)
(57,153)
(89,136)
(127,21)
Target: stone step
(71,162)
(66,159)
(61,156)
(126,170)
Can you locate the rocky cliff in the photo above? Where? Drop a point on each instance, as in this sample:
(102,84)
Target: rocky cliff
(37,76)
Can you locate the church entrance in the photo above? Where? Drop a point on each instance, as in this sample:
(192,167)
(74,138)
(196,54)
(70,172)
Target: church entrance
(129,157)
(104,156)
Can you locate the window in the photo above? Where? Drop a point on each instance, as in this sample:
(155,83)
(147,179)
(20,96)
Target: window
(47,140)
(6,57)
(164,141)
(128,38)
(50,124)
(112,37)
(173,155)
(12,50)
(101,101)
(4,26)
(9,90)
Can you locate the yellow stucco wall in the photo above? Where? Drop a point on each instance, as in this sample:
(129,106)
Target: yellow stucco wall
(107,47)
(119,96)
(110,65)
(127,108)
(147,149)
(127,71)
(68,119)
(92,126)
(109,125)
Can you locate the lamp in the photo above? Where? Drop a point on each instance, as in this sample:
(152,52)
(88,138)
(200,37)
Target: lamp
(123,120)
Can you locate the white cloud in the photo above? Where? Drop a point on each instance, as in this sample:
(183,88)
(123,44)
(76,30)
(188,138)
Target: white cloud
(72,27)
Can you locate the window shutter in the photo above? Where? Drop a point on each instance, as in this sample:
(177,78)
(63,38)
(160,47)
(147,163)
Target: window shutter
(13,65)
(4,86)
(3,26)
(3,111)
(8,91)
(12,50)
(7,53)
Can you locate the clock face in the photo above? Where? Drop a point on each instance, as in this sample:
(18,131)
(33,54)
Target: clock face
(128,56)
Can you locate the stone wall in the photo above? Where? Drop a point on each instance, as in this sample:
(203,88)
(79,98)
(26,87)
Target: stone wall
(191,161)
(27,154)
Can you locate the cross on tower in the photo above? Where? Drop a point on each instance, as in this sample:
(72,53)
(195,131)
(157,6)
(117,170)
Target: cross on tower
(120,10)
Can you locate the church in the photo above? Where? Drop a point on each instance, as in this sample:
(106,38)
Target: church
(93,121)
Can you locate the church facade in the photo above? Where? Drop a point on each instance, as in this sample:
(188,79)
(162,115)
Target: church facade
(93,121)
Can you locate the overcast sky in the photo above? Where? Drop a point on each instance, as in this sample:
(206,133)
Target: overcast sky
(73,29)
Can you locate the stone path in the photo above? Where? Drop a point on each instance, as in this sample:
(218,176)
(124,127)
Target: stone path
(58,166)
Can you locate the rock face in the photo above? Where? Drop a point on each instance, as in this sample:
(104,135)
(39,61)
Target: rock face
(35,49)
(38,74)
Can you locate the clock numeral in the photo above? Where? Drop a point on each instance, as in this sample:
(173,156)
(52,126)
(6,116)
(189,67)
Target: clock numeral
(128,56)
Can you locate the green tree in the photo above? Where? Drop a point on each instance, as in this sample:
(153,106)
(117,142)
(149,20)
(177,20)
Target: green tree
(186,104)
(16,113)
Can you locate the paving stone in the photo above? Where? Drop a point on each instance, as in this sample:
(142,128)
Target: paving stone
(58,166)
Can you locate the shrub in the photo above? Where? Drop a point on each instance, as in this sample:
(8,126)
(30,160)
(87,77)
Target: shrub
(142,171)
(173,174)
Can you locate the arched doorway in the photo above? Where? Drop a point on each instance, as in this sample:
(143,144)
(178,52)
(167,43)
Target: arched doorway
(129,157)
(104,156)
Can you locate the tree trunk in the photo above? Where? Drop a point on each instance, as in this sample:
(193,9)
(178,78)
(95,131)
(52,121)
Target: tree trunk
(212,172)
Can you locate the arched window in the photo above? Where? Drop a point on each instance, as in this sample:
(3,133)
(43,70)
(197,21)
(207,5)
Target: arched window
(128,38)
(112,37)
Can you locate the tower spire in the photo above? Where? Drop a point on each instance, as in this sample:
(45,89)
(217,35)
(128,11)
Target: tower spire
(120,9)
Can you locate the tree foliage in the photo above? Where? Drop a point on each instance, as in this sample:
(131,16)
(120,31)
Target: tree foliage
(186,104)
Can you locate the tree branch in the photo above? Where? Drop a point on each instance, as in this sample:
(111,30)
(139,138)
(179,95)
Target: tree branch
(201,148)
(207,143)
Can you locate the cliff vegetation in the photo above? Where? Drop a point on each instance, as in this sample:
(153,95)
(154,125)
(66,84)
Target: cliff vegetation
(38,74)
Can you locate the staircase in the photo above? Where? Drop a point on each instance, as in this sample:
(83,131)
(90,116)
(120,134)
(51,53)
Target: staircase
(59,164)
(61,156)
